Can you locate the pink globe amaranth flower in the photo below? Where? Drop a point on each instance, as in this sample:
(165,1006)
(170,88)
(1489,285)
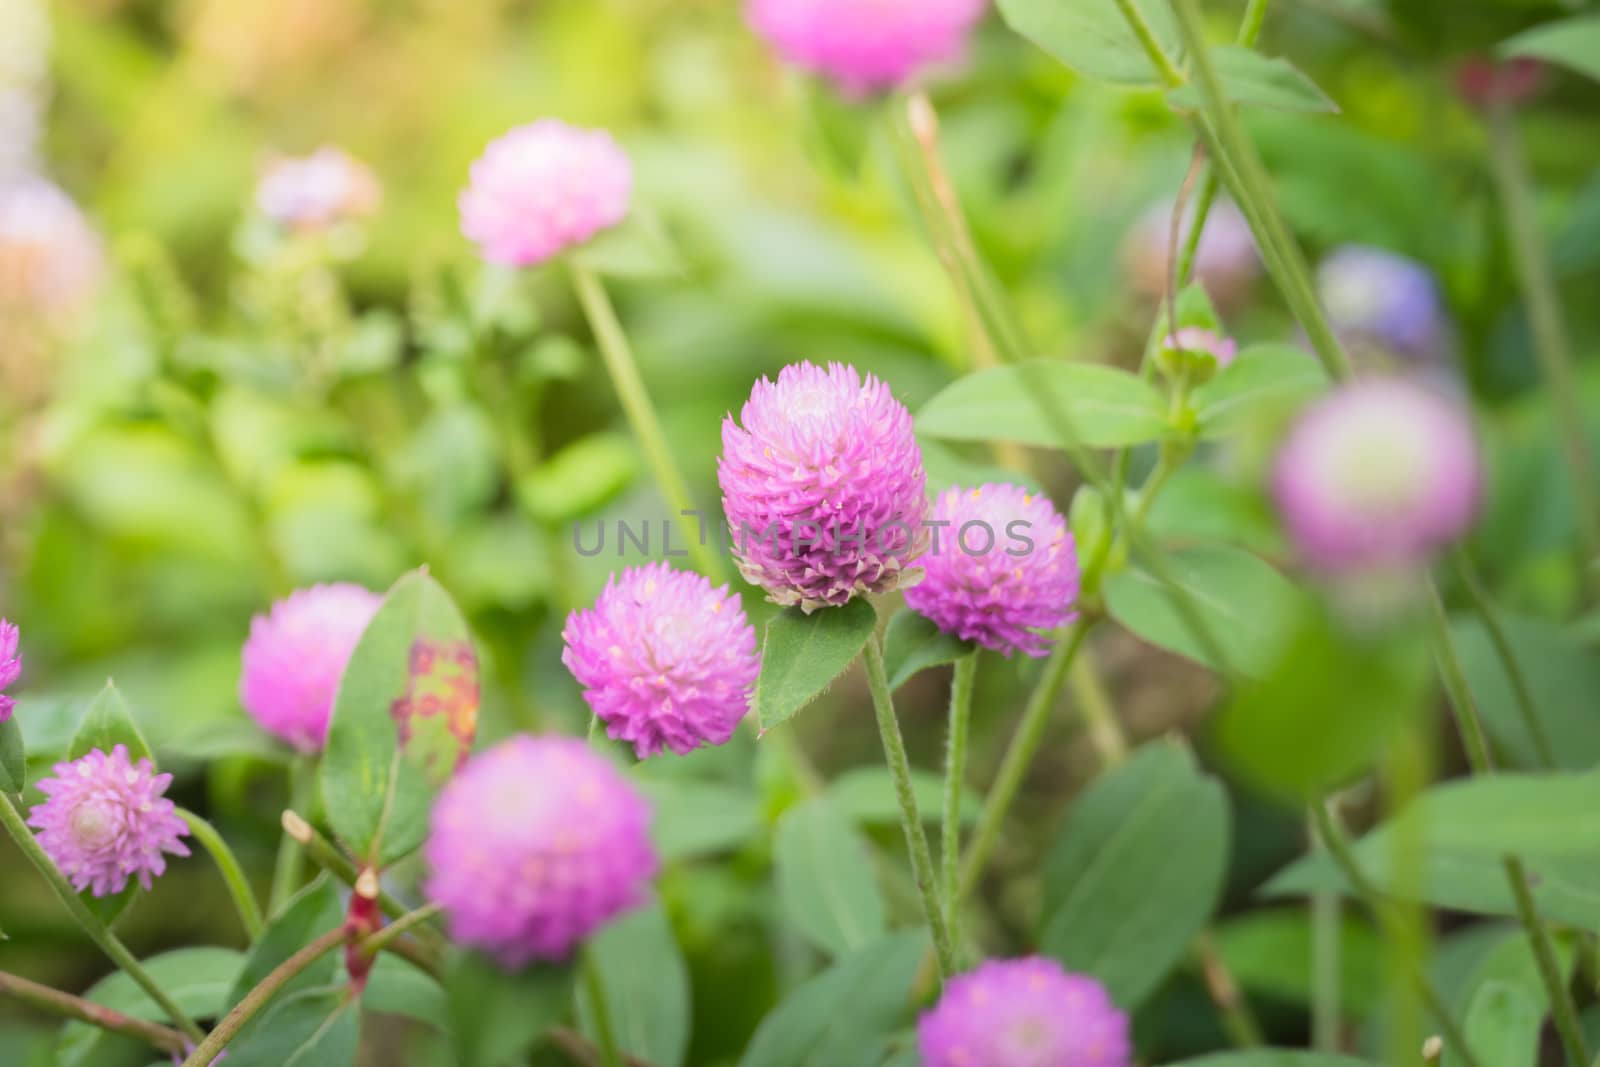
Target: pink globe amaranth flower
(296,655)
(317,191)
(1226,261)
(1198,339)
(10,665)
(106,820)
(544,188)
(534,845)
(1024,1013)
(1379,474)
(865,45)
(51,260)
(1003,571)
(665,660)
(823,486)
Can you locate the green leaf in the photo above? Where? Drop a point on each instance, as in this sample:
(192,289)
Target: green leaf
(1255,80)
(578,480)
(495,1016)
(396,987)
(1275,1057)
(1244,604)
(405,716)
(197,979)
(845,1016)
(1326,708)
(867,795)
(1136,872)
(699,818)
(1270,953)
(107,723)
(637,247)
(1562,675)
(1503,1026)
(13,758)
(1093,36)
(646,985)
(308,915)
(912,643)
(1265,382)
(826,886)
(1573,43)
(1037,402)
(802,654)
(311,1028)
(1506,963)
(1195,309)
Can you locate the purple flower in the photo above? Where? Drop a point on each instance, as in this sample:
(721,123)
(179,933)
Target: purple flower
(317,191)
(106,820)
(1004,572)
(823,487)
(534,845)
(51,260)
(1024,1013)
(10,665)
(866,46)
(666,661)
(542,189)
(1384,306)
(296,655)
(1226,263)
(1378,474)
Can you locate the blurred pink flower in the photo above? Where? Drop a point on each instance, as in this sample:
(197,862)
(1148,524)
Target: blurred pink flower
(317,191)
(51,261)
(10,665)
(866,45)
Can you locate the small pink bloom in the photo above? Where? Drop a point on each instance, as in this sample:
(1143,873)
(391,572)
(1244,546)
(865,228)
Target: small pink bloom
(107,820)
(1197,339)
(866,45)
(542,189)
(318,191)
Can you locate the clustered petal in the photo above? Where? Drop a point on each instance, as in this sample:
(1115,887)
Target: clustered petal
(666,661)
(10,665)
(1384,307)
(317,191)
(866,45)
(824,487)
(1003,571)
(1380,474)
(106,820)
(534,845)
(543,188)
(296,655)
(1024,1013)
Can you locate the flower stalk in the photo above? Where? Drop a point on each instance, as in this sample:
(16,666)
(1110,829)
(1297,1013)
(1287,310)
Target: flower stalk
(961,685)
(244,898)
(44,998)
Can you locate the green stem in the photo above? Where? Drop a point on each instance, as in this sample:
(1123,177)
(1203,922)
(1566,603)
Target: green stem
(610,1054)
(1483,604)
(1255,15)
(1333,839)
(1019,756)
(894,751)
(244,898)
(1237,1019)
(641,413)
(1169,72)
(1099,718)
(955,770)
(107,941)
(388,936)
(1326,973)
(289,870)
(56,1002)
(248,1008)
(1552,344)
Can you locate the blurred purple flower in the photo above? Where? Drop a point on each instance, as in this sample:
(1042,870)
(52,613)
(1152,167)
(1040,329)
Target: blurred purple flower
(866,46)
(1379,474)
(10,665)
(544,188)
(1004,572)
(317,191)
(1225,264)
(823,486)
(106,820)
(296,655)
(1384,307)
(534,845)
(666,661)
(1024,1013)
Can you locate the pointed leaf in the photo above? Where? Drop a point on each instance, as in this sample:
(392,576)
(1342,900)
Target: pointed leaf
(308,915)
(405,716)
(1255,80)
(1047,403)
(1265,382)
(107,723)
(13,758)
(802,654)
(311,1028)
(912,643)
(646,985)
(826,886)
(1093,37)
(495,1016)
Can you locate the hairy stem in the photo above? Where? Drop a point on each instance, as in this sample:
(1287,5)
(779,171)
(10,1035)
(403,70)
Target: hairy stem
(244,898)
(955,769)
(87,1011)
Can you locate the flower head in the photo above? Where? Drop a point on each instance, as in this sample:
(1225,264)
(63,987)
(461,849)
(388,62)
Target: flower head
(106,820)
(1226,261)
(1004,572)
(296,655)
(534,845)
(1204,351)
(317,191)
(866,45)
(823,486)
(1379,474)
(51,260)
(1384,307)
(1024,1013)
(10,665)
(542,189)
(666,661)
